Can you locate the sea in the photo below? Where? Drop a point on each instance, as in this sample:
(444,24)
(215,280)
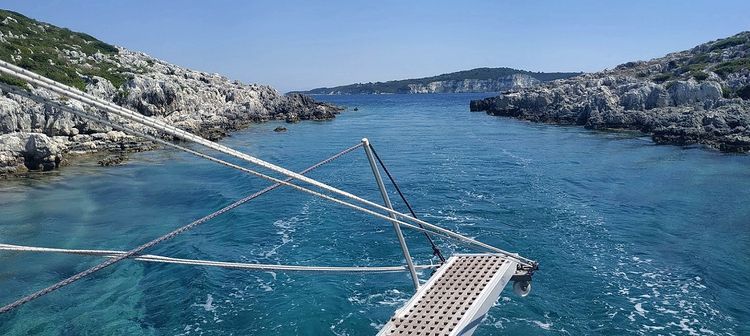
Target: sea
(632,238)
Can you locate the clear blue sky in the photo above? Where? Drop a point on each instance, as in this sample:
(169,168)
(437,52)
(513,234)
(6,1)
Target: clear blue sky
(304,44)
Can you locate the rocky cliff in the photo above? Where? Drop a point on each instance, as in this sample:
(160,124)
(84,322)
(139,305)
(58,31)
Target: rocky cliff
(474,80)
(36,136)
(515,81)
(697,96)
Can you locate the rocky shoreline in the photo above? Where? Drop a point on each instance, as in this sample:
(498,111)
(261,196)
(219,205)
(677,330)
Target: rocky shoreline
(35,136)
(698,96)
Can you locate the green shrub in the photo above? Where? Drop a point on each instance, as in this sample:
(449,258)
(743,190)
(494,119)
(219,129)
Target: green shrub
(728,67)
(41,51)
(700,58)
(697,66)
(58,72)
(116,78)
(728,42)
(744,92)
(699,75)
(12,81)
(726,92)
(663,77)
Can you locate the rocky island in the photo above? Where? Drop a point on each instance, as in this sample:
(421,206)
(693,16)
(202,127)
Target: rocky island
(36,136)
(696,96)
(468,81)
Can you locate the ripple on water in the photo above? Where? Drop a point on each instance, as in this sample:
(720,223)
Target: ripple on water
(624,231)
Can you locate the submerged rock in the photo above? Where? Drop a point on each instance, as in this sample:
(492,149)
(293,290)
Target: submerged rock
(280,129)
(112,160)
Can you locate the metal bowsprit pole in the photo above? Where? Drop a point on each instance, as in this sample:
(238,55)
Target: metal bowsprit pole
(384,193)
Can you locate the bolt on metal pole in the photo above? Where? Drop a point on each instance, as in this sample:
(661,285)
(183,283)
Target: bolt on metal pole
(384,193)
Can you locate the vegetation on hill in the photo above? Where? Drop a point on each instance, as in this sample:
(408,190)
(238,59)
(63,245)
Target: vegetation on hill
(39,136)
(402,86)
(722,58)
(58,53)
(695,96)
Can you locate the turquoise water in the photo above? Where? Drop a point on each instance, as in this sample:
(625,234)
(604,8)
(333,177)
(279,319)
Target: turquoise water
(632,238)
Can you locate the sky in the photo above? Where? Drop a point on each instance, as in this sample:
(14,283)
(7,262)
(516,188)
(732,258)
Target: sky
(299,45)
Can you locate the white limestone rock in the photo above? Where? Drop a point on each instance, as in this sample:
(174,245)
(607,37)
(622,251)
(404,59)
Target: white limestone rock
(207,104)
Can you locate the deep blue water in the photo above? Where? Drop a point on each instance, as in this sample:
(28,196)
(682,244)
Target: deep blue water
(633,238)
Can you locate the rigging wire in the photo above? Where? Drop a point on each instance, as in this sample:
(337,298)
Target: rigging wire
(158,240)
(223,264)
(435,229)
(435,249)
(89,99)
(166,128)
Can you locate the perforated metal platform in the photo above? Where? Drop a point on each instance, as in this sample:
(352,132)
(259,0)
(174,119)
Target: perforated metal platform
(455,299)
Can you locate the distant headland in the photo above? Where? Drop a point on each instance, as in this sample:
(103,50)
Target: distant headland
(474,80)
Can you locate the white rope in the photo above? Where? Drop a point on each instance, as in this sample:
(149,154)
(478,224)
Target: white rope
(76,94)
(222,264)
(434,229)
(214,159)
